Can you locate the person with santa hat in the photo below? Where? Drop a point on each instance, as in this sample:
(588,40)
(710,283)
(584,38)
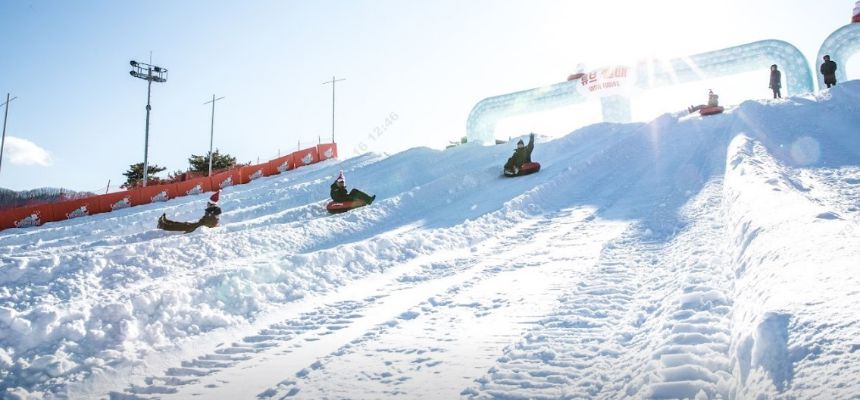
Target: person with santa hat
(339,193)
(209,218)
(212,211)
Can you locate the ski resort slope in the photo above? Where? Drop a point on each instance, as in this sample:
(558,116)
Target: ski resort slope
(687,257)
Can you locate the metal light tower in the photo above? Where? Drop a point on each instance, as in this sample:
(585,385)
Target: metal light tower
(333,82)
(212,129)
(5,115)
(149,73)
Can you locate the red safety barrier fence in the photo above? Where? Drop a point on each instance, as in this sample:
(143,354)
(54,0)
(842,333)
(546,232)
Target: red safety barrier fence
(187,184)
(306,157)
(283,164)
(76,208)
(326,151)
(24,217)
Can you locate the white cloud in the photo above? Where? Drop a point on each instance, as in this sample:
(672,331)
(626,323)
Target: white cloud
(24,152)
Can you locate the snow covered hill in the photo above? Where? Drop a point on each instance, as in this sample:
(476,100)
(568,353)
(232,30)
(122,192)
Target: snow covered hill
(687,257)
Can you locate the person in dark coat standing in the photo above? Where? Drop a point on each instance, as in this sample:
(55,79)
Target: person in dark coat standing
(775,81)
(339,193)
(828,69)
(522,155)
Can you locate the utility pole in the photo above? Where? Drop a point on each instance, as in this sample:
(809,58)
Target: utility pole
(333,82)
(5,115)
(212,129)
(159,76)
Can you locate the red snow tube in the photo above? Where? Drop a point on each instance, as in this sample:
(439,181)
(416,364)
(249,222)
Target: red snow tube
(856,18)
(337,207)
(711,110)
(525,169)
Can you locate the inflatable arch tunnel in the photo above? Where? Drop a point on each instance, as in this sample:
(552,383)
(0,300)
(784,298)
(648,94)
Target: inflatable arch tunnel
(840,46)
(646,74)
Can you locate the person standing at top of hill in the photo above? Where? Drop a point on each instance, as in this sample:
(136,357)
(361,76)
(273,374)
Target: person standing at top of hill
(775,81)
(828,69)
(522,155)
(339,193)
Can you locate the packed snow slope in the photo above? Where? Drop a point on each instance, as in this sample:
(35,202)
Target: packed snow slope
(687,257)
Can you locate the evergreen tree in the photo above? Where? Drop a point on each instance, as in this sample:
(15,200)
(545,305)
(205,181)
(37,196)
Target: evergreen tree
(175,176)
(219,161)
(134,175)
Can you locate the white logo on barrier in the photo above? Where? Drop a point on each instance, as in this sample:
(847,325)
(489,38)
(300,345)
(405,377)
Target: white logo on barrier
(226,182)
(284,166)
(257,174)
(307,159)
(605,82)
(80,212)
(195,190)
(123,203)
(161,196)
(329,153)
(28,221)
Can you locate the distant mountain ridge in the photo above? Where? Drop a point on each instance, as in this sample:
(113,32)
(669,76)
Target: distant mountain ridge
(10,198)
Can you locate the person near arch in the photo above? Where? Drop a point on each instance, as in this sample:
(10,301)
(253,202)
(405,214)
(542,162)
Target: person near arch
(775,81)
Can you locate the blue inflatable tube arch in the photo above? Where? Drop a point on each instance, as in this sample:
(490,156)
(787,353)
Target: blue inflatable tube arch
(840,45)
(649,74)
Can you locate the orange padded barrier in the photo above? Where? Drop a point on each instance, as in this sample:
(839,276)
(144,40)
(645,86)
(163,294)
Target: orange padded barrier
(69,209)
(193,186)
(25,217)
(326,151)
(226,179)
(306,157)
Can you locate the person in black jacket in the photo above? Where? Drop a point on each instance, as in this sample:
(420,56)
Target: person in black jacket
(522,155)
(828,69)
(339,193)
(775,81)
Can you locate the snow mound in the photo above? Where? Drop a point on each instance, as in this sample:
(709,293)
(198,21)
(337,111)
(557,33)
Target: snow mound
(687,257)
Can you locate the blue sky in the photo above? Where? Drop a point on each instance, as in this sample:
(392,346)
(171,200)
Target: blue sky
(79,117)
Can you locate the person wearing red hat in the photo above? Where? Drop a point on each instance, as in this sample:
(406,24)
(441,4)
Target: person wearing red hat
(339,193)
(212,211)
(209,218)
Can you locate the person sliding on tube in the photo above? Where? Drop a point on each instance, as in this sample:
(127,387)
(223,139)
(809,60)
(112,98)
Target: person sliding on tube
(209,218)
(339,193)
(713,101)
(522,155)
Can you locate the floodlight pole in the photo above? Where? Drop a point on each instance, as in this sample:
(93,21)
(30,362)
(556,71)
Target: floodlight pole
(5,115)
(146,135)
(212,129)
(160,76)
(333,82)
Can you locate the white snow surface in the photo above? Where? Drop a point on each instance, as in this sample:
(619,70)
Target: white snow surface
(688,257)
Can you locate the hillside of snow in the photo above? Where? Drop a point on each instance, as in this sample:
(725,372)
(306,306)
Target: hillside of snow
(687,257)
